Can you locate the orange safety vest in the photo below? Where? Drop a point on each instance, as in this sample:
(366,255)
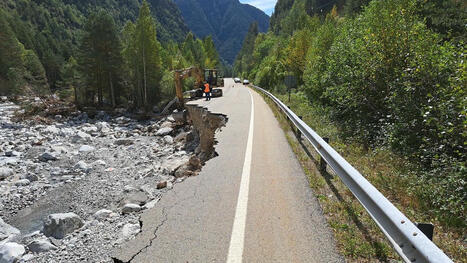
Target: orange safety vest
(206,88)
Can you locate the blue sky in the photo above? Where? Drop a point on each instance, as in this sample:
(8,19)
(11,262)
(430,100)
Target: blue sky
(266,5)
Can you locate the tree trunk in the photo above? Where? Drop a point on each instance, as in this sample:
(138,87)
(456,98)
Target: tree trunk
(112,92)
(145,81)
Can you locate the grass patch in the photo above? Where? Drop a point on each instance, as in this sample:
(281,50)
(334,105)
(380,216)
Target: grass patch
(357,236)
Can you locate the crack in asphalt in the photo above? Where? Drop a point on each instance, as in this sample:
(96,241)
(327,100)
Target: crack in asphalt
(165,211)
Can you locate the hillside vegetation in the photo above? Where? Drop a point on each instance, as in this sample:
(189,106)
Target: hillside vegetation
(226,21)
(50,31)
(390,75)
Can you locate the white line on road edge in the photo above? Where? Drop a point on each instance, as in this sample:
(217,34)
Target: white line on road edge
(238,231)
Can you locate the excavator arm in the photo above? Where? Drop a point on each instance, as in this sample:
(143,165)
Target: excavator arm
(182,74)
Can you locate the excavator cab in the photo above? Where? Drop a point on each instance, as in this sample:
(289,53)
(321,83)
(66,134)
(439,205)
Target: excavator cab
(213,77)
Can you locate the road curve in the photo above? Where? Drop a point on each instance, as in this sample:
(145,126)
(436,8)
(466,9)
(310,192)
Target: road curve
(252,203)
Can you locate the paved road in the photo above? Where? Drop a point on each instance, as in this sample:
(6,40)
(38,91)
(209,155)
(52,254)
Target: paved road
(252,203)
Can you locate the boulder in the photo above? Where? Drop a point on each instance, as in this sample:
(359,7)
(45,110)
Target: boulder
(125,142)
(130,208)
(12,154)
(195,162)
(86,148)
(41,245)
(179,117)
(130,230)
(181,137)
(48,156)
(161,185)
(90,129)
(83,166)
(11,252)
(81,137)
(135,197)
(52,130)
(5,172)
(164,131)
(102,214)
(59,225)
(7,232)
(99,162)
(168,139)
(22,182)
(168,124)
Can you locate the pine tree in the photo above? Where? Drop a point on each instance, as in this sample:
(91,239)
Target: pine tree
(244,60)
(148,56)
(11,66)
(212,57)
(70,80)
(101,59)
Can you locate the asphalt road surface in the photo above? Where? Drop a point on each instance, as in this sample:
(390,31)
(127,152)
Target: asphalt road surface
(252,203)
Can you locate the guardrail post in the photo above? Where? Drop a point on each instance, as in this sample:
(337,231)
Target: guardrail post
(299,133)
(322,162)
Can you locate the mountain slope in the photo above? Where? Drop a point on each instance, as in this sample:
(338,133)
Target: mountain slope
(52,28)
(226,20)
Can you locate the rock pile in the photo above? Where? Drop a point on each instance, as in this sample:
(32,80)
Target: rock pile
(100,174)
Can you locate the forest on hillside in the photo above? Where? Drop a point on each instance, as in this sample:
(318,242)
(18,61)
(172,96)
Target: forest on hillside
(391,74)
(120,53)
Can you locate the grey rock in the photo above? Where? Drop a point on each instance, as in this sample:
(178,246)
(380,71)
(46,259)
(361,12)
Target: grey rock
(7,232)
(151,204)
(164,131)
(41,245)
(99,162)
(12,154)
(90,129)
(48,156)
(31,177)
(130,230)
(28,257)
(11,252)
(181,137)
(135,197)
(86,148)
(125,142)
(168,139)
(131,208)
(52,130)
(22,182)
(83,166)
(8,160)
(5,172)
(81,137)
(102,214)
(59,225)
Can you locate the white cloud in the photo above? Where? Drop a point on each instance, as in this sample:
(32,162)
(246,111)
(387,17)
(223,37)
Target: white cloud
(265,5)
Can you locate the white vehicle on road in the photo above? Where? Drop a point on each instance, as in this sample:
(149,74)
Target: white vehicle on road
(246,82)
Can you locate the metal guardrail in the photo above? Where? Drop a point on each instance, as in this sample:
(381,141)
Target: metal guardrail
(408,241)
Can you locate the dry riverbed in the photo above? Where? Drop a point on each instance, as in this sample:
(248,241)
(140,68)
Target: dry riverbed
(73,190)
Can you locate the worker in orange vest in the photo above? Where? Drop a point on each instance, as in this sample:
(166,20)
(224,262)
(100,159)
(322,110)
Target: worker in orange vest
(207,91)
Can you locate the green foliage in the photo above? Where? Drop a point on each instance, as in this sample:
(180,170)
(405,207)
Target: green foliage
(53,29)
(391,74)
(100,59)
(244,61)
(20,69)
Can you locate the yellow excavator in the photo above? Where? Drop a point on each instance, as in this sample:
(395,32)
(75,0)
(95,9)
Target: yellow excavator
(210,76)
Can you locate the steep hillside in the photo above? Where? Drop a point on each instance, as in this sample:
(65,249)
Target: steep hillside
(226,20)
(52,28)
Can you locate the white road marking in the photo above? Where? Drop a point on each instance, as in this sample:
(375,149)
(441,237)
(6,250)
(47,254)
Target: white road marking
(238,231)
